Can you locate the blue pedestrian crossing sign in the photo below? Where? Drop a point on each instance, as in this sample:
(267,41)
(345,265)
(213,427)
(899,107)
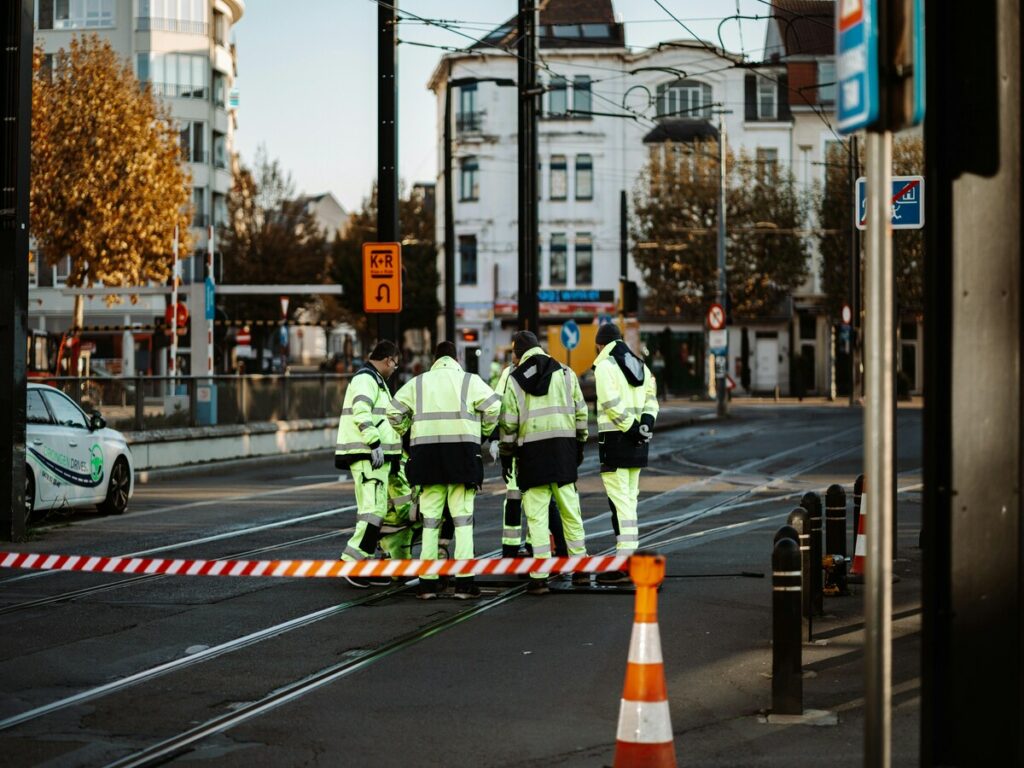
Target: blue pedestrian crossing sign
(906,199)
(570,334)
(857,64)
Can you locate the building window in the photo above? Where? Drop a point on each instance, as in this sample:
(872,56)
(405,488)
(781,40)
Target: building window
(584,259)
(767,163)
(767,99)
(61,271)
(220,210)
(186,16)
(559,178)
(557,99)
(467,259)
(581,94)
(468,117)
(826,81)
(220,90)
(220,150)
(178,75)
(75,14)
(220,28)
(559,255)
(469,179)
(584,177)
(192,140)
(199,207)
(684,98)
(33,270)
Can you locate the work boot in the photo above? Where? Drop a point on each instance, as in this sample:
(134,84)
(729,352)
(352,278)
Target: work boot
(427,589)
(465,589)
(361,582)
(537,587)
(581,579)
(613,577)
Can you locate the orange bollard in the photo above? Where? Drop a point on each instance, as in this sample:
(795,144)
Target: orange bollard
(861,547)
(644,738)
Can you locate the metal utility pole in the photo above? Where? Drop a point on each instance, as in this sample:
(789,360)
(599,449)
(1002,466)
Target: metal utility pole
(854,167)
(387,143)
(449,215)
(15,144)
(528,239)
(721,360)
(173,366)
(972,661)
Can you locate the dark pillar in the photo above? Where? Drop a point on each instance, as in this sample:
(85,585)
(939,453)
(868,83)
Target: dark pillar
(15,144)
(528,95)
(387,142)
(972,680)
(449,217)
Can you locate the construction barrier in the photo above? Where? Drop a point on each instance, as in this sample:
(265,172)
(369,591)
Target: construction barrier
(644,738)
(861,548)
(313,568)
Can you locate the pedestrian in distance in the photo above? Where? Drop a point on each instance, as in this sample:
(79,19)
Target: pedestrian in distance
(543,434)
(447,412)
(367,446)
(627,407)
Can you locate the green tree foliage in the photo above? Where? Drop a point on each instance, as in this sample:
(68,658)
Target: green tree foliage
(108,186)
(675,224)
(271,237)
(835,217)
(420,278)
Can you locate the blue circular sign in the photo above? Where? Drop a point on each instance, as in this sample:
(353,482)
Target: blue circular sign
(570,334)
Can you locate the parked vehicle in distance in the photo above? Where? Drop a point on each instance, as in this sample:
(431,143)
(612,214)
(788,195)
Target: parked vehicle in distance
(73,459)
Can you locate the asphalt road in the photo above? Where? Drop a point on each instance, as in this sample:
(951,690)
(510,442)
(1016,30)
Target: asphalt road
(102,669)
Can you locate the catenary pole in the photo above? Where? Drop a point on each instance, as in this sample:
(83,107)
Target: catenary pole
(387,143)
(528,93)
(720,360)
(854,168)
(449,215)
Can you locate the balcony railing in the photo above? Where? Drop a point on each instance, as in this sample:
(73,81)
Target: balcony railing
(177,91)
(151,24)
(469,121)
(199,156)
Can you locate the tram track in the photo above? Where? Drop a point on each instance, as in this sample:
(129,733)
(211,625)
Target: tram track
(339,670)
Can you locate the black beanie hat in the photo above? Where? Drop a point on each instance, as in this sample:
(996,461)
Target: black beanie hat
(608,333)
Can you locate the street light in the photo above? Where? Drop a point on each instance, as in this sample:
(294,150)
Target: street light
(449,219)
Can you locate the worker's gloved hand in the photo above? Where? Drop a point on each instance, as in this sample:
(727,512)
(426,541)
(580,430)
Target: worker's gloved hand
(646,433)
(506,468)
(377,457)
(493,449)
(633,434)
(580,445)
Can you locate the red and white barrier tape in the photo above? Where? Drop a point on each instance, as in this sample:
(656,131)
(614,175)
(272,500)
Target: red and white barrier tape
(312,568)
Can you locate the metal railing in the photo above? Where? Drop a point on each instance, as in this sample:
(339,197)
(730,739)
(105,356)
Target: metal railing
(159,402)
(155,24)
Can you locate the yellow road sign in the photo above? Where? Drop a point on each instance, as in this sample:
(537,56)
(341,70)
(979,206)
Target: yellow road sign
(382,277)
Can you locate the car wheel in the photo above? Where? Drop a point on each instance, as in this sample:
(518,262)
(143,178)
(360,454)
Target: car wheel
(30,494)
(117,489)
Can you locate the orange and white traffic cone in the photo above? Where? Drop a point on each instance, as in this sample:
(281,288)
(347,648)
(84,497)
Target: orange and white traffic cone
(861,547)
(644,738)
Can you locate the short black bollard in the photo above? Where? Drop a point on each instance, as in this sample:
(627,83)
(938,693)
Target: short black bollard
(787,532)
(858,491)
(835,520)
(812,503)
(798,518)
(787,671)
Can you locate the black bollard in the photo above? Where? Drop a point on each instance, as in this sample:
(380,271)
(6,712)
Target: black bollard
(787,668)
(787,532)
(812,503)
(835,520)
(798,518)
(858,491)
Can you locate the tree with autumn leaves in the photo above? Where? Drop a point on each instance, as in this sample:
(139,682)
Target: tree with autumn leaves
(108,186)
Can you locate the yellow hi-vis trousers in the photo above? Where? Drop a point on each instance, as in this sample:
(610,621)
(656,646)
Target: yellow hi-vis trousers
(512,518)
(460,504)
(535,507)
(371,486)
(402,504)
(623,489)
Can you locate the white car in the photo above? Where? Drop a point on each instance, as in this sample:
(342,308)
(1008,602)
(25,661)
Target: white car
(73,460)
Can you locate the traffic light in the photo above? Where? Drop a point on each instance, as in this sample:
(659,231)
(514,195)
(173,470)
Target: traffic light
(629,297)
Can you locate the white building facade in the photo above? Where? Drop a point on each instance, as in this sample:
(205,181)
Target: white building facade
(184,49)
(601,102)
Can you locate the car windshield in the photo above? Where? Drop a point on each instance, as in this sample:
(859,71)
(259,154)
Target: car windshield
(65,412)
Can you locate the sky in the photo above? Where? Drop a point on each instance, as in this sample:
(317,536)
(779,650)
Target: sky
(307,76)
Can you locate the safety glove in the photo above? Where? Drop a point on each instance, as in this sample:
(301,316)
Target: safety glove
(646,427)
(506,468)
(493,449)
(377,457)
(633,434)
(580,445)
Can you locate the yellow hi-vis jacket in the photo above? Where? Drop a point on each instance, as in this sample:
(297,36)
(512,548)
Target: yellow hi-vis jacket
(363,424)
(543,421)
(626,397)
(447,412)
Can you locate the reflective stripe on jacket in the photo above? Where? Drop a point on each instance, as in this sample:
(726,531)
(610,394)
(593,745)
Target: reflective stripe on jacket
(363,424)
(543,429)
(447,412)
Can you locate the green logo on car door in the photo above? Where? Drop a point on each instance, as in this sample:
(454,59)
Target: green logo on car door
(96,463)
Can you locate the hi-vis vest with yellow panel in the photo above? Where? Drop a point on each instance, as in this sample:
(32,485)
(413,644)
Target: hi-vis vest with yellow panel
(363,424)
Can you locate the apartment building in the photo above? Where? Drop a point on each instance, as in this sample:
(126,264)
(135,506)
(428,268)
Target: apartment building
(183,49)
(603,108)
